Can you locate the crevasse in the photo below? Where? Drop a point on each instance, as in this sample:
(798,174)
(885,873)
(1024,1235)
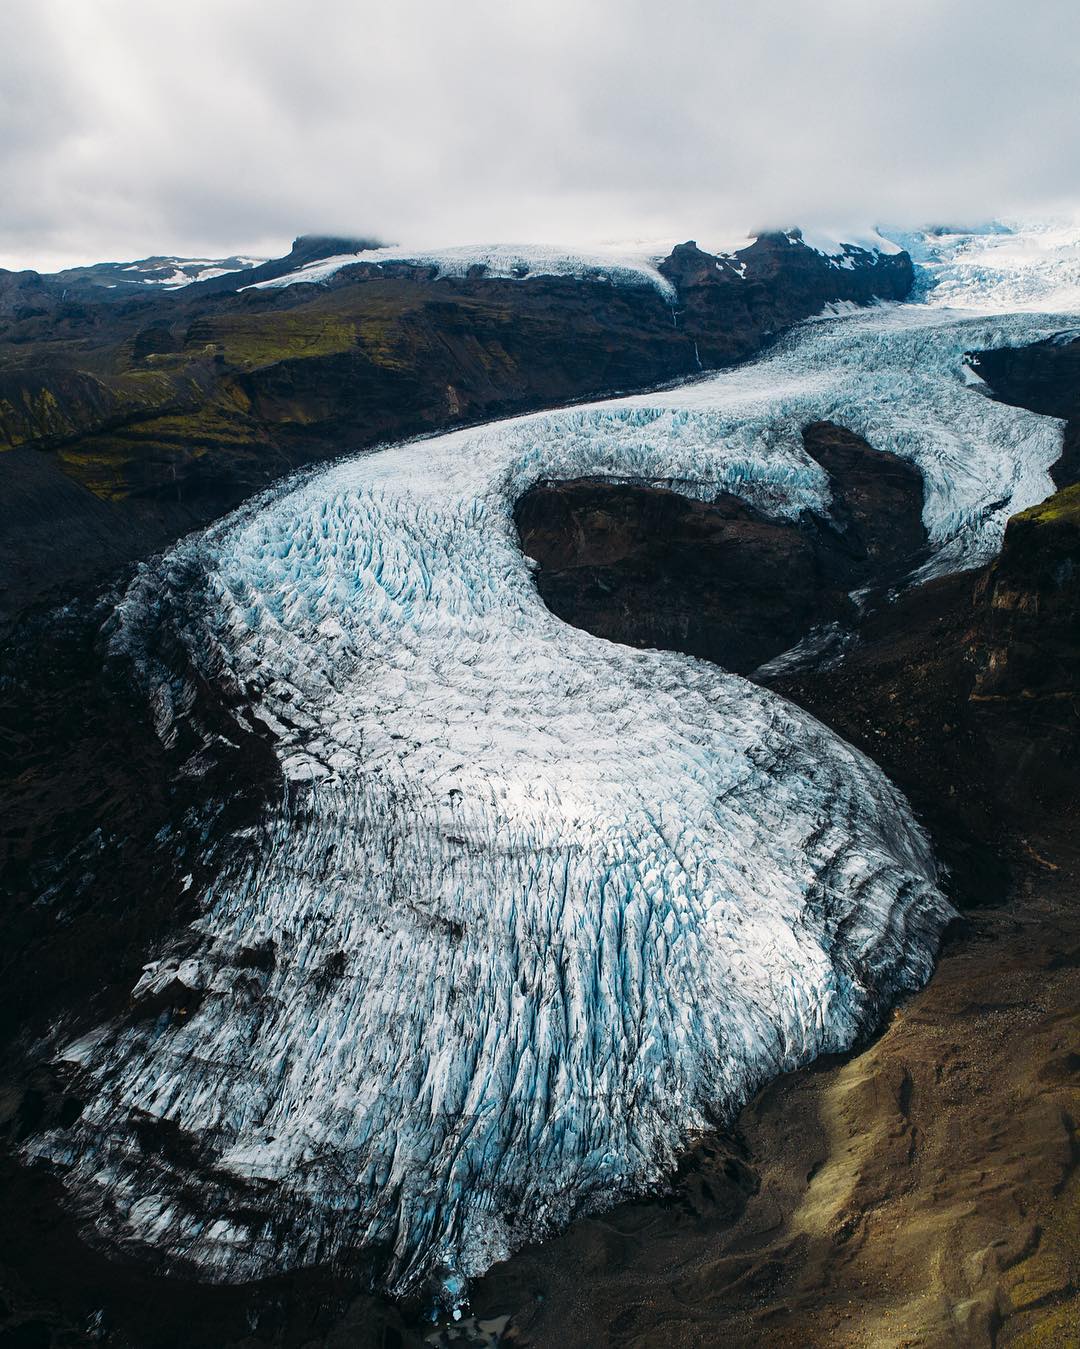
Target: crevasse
(540,906)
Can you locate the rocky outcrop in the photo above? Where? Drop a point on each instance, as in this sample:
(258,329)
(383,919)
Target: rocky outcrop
(728,306)
(1044,377)
(1026,637)
(649,567)
(1028,606)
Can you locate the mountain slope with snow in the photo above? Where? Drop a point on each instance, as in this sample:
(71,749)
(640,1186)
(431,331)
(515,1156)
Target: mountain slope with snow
(621,264)
(169,273)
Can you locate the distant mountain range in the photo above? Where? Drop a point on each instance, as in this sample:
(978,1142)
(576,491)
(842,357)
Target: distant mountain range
(169,272)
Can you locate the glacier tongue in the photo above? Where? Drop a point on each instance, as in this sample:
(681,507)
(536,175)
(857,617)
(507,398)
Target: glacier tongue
(539,906)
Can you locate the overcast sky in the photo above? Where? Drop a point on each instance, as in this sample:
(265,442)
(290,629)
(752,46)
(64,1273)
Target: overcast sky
(204,127)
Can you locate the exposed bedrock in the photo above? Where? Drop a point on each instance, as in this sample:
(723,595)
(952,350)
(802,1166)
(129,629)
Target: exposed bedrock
(649,567)
(723,307)
(1029,608)
(1025,641)
(1043,377)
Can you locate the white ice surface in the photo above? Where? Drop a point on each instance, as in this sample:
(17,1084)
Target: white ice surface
(621,265)
(542,906)
(625,264)
(173,273)
(836,242)
(1010,265)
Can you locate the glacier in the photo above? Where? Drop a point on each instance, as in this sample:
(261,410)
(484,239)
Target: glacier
(1025,266)
(539,907)
(633,263)
(619,264)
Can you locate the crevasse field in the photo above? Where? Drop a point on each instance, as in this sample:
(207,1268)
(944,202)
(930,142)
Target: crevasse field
(541,906)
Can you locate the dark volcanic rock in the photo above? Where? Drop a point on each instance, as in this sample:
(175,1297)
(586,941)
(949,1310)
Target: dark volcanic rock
(1044,377)
(1029,607)
(774,282)
(649,567)
(106,810)
(877,502)
(1025,639)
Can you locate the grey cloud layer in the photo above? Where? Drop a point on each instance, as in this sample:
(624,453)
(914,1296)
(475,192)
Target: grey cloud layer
(131,127)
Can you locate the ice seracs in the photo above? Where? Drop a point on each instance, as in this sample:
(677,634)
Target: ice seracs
(532,907)
(1008,265)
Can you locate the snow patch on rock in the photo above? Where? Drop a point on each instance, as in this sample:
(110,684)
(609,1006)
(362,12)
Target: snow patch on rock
(840,245)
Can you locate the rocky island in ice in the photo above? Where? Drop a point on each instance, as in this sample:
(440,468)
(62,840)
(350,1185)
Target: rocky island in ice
(532,908)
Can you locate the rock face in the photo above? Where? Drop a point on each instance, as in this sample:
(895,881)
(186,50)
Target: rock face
(1029,608)
(649,567)
(1044,377)
(764,288)
(172,407)
(1028,603)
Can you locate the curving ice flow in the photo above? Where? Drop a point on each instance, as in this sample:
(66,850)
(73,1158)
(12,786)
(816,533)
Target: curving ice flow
(539,906)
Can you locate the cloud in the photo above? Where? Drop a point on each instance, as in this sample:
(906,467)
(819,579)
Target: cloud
(132,127)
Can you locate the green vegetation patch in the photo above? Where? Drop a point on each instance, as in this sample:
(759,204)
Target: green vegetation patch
(253,340)
(114,464)
(1063,507)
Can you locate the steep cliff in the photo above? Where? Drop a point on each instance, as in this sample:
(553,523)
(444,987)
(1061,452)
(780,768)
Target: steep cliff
(1028,606)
